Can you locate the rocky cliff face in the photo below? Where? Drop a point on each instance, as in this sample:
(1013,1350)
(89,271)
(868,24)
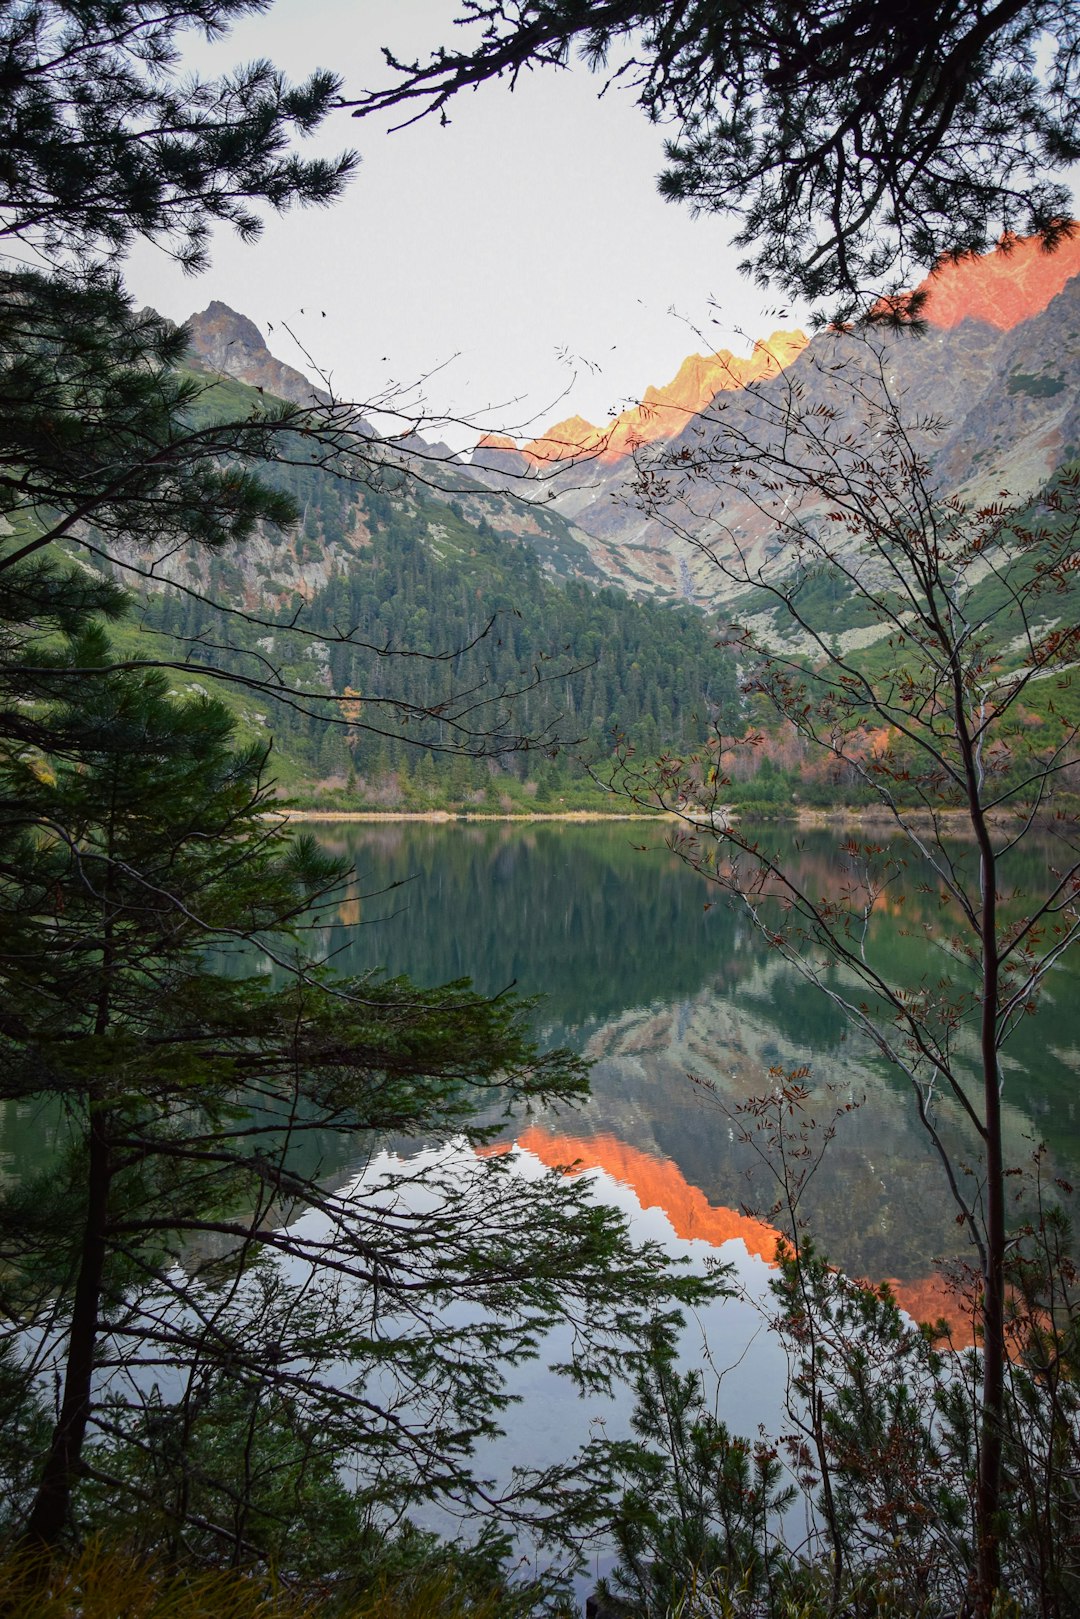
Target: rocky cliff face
(999,364)
(228,343)
(1001,289)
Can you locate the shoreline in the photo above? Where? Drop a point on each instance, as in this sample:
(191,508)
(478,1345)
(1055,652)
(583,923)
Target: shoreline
(449,817)
(803,819)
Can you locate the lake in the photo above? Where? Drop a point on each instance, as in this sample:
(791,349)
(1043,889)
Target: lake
(662,983)
(685,1012)
(651,973)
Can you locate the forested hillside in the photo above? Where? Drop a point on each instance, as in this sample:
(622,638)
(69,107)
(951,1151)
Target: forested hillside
(545,671)
(571,589)
(450,646)
(179,1377)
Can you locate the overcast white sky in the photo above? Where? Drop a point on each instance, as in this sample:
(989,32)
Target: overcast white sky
(524,248)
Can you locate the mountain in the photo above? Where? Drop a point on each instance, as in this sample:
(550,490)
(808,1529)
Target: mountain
(515,503)
(999,362)
(423,565)
(229,343)
(440,614)
(1001,289)
(663,412)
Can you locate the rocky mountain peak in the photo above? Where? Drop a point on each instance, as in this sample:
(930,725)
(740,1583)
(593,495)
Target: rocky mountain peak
(998,369)
(663,412)
(1003,288)
(227,342)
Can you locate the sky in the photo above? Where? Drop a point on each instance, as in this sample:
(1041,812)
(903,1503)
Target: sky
(519,260)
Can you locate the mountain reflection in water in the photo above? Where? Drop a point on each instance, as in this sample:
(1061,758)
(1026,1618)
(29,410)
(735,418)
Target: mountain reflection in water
(638,970)
(659,1184)
(643,974)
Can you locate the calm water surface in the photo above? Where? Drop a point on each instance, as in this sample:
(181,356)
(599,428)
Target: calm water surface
(660,987)
(653,976)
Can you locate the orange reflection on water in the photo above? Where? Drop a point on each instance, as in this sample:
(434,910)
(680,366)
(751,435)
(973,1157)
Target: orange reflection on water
(659,1183)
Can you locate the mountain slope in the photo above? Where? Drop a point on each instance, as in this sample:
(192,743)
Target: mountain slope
(426,620)
(423,571)
(516,503)
(999,363)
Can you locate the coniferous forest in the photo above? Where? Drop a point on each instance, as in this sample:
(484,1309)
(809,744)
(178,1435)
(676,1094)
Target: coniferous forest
(581,667)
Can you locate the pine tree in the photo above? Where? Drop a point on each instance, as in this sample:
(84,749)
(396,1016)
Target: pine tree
(106,141)
(195,1292)
(181,1258)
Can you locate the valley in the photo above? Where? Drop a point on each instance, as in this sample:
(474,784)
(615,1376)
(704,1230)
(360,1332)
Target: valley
(532,588)
(537,1033)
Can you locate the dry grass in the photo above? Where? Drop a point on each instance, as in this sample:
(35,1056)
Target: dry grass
(104,1583)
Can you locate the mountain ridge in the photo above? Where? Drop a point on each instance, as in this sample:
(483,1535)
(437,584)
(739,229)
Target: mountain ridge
(1001,371)
(1001,289)
(226,341)
(662,411)
(998,362)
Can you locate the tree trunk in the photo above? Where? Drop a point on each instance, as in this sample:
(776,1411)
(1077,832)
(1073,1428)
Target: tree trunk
(988,1487)
(52,1505)
(992,1397)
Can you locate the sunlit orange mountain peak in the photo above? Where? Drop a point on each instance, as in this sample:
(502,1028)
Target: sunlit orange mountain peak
(569,438)
(1001,288)
(662,412)
(496,441)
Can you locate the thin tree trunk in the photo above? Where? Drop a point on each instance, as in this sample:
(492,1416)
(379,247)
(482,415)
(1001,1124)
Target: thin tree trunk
(991,1414)
(992,1397)
(52,1505)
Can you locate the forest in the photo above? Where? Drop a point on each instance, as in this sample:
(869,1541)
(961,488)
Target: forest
(477,615)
